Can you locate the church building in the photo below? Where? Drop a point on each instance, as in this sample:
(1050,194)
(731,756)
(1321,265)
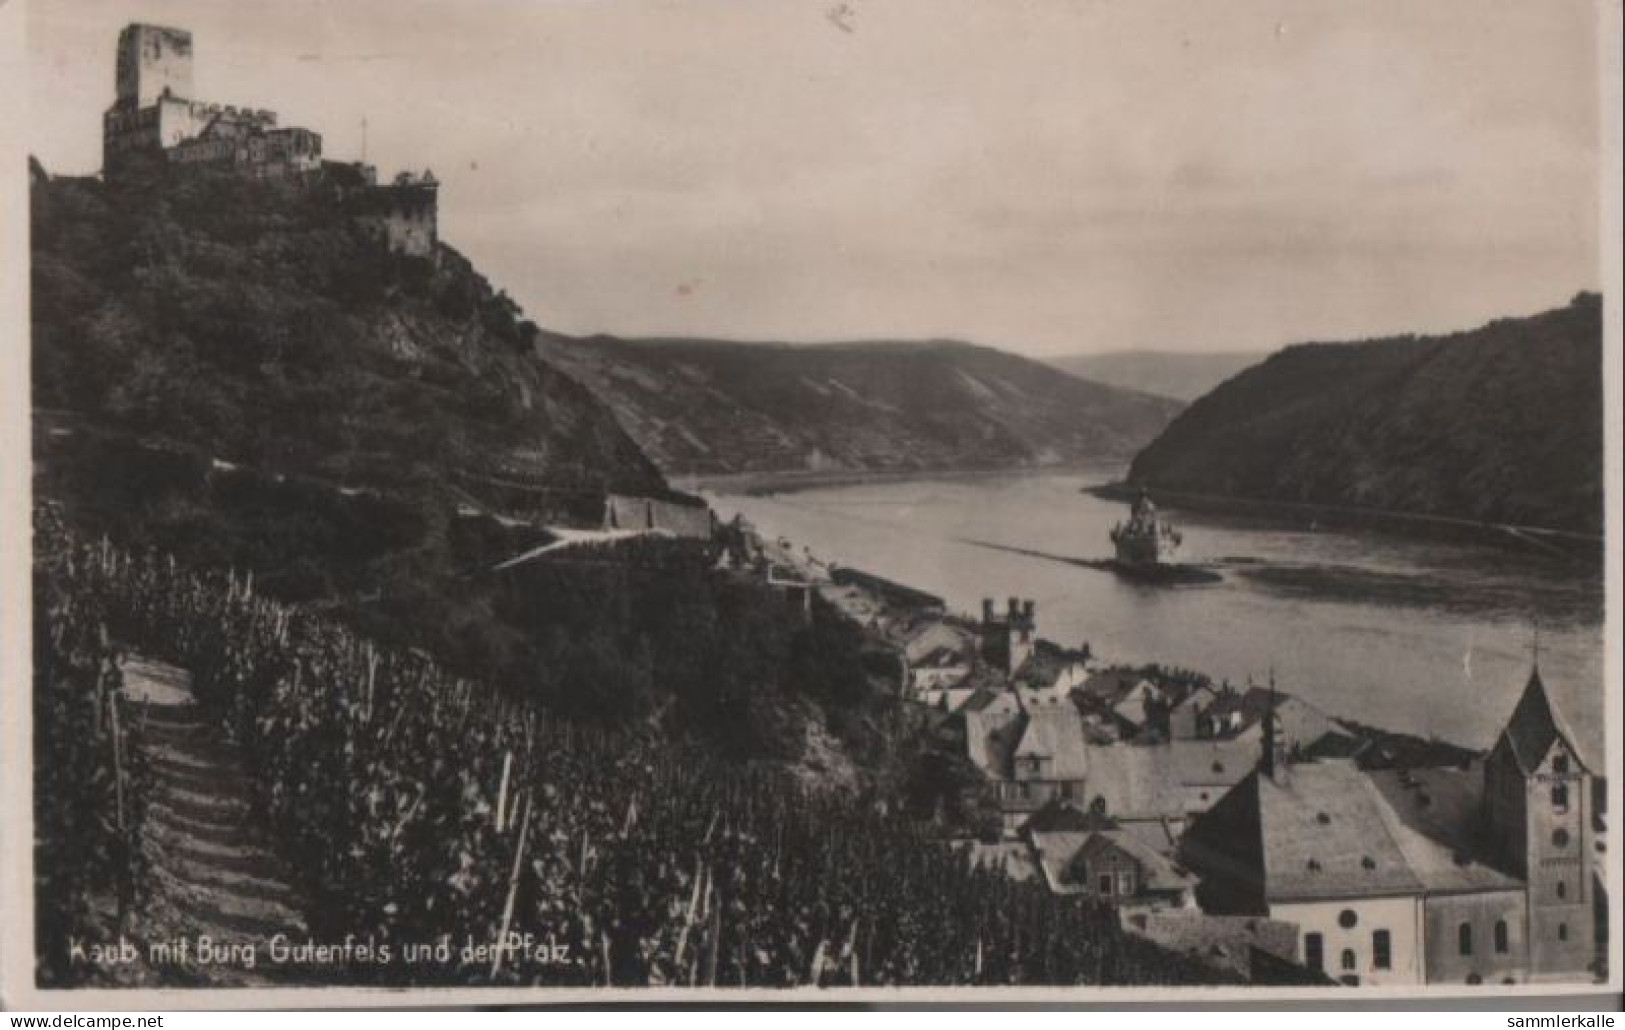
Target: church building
(1467,875)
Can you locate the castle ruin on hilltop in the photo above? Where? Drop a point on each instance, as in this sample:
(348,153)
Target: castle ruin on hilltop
(154,119)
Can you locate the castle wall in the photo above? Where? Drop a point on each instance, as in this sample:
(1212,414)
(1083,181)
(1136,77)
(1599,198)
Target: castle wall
(643,513)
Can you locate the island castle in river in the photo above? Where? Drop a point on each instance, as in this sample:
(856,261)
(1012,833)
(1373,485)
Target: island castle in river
(1145,539)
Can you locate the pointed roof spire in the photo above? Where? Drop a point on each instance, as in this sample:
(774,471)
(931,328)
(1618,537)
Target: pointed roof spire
(1535,724)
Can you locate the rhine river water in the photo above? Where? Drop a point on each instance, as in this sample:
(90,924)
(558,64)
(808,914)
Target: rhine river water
(1424,636)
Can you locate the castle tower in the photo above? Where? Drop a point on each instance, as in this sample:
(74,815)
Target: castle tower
(1007,640)
(153,61)
(1537,797)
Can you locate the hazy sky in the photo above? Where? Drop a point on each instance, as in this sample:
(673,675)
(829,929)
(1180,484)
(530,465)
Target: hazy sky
(1048,176)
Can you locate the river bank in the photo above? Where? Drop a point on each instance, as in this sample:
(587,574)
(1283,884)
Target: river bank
(1558,543)
(1429,635)
(789,481)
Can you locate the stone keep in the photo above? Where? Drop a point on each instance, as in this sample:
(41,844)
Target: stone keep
(153,61)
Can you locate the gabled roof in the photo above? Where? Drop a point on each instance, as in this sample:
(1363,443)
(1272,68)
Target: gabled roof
(991,734)
(1056,734)
(1534,726)
(1160,873)
(1130,706)
(1213,763)
(1433,815)
(1326,836)
(1135,782)
(1049,665)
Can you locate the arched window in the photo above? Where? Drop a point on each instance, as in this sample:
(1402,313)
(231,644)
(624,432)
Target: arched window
(1560,796)
(1562,890)
(1464,938)
(1560,764)
(1349,961)
(1500,936)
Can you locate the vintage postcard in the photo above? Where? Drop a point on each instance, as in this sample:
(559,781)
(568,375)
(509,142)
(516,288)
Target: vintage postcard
(540,500)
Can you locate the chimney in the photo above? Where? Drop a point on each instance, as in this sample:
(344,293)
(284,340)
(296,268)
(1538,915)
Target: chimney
(1268,763)
(1027,609)
(1014,608)
(987,609)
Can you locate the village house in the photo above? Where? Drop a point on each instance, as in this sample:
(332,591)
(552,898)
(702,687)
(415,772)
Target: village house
(1458,875)
(1091,853)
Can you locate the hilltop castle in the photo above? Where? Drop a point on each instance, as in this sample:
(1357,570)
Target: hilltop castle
(154,120)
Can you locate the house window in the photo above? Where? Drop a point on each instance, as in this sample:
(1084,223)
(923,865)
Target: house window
(1560,797)
(1464,938)
(1106,883)
(1314,953)
(1500,936)
(1349,961)
(1560,764)
(1382,949)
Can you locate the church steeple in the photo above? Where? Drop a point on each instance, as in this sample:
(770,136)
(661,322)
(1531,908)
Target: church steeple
(1538,811)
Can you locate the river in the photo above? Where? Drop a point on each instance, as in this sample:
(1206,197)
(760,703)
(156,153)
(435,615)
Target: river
(1419,635)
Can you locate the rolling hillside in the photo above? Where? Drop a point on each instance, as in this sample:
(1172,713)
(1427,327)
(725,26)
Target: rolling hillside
(1499,424)
(707,408)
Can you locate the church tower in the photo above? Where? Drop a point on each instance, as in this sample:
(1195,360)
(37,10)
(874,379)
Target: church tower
(1537,797)
(1007,641)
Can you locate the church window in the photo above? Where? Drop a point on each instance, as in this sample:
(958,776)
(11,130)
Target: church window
(1560,797)
(1349,961)
(1560,837)
(1347,918)
(1500,936)
(1314,951)
(1562,890)
(1562,931)
(1464,938)
(1382,949)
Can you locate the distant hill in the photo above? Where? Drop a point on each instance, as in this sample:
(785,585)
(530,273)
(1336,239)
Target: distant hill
(1173,374)
(1501,424)
(702,407)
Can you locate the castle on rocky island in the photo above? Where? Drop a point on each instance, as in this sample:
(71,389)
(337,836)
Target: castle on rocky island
(155,120)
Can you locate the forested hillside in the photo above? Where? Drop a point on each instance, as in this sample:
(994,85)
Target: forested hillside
(709,407)
(1502,424)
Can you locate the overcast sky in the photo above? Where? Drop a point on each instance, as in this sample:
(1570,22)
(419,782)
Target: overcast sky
(1051,176)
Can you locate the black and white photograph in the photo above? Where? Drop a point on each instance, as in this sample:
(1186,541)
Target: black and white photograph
(813,500)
